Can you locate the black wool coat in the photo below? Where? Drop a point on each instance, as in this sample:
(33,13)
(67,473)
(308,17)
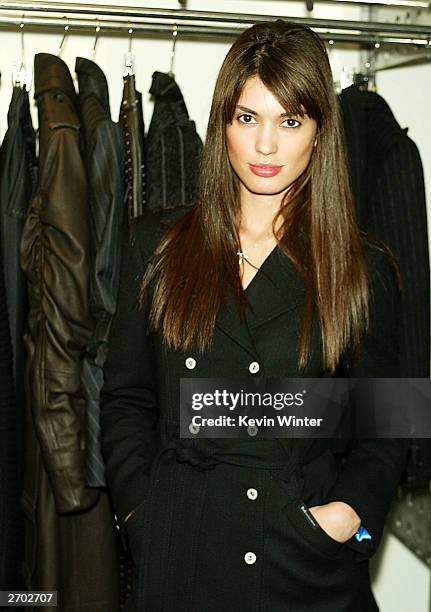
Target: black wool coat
(228,532)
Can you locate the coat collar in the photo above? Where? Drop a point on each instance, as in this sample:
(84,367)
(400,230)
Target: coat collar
(276,288)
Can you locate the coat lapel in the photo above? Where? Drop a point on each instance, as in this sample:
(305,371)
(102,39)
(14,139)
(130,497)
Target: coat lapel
(276,288)
(229,322)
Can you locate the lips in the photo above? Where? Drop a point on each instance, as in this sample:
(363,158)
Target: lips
(266,170)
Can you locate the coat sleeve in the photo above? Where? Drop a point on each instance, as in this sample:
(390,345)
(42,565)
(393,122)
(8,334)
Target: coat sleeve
(129,407)
(374,467)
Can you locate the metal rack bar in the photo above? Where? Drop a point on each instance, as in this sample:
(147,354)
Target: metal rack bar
(389,4)
(178,15)
(72,7)
(195,23)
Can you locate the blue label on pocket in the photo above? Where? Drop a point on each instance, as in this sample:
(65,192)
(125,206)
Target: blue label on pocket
(362,534)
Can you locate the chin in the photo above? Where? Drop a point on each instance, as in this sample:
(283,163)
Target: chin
(269,190)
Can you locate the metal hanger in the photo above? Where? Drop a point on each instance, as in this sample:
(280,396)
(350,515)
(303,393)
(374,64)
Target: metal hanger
(65,31)
(370,73)
(128,58)
(174,42)
(347,77)
(22,77)
(96,39)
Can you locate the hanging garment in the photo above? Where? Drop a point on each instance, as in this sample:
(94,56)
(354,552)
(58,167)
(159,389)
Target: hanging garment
(11,542)
(132,121)
(17,183)
(388,185)
(173,148)
(389,191)
(410,521)
(70,544)
(17,179)
(104,155)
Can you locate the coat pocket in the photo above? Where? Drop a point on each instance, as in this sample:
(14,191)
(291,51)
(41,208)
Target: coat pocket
(312,533)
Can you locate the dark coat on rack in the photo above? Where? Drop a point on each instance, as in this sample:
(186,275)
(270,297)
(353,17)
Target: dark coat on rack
(17,183)
(199,517)
(69,528)
(17,178)
(104,160)
(388,185)
(11,541)
(173,148)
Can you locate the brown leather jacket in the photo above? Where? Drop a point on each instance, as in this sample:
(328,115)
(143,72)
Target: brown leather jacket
(55,259)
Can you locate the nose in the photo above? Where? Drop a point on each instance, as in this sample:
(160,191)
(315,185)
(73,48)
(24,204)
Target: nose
(266,140)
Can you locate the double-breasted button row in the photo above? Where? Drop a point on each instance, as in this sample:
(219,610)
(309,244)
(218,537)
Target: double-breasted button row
(250,557)
(253,368)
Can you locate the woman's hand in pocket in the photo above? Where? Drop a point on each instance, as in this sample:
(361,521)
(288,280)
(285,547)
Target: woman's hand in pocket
(337,519)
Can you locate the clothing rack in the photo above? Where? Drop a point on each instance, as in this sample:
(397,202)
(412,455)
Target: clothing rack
(200,23)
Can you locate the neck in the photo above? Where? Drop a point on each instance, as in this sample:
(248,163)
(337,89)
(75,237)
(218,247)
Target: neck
(257,215)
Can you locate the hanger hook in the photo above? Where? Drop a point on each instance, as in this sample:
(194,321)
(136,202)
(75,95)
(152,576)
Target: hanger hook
(21,25)
(174,42)
(22,77)
(128,58)
(96,38)
(130,37)
(66,29)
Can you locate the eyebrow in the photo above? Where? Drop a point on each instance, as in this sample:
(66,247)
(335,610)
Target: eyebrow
(253,112)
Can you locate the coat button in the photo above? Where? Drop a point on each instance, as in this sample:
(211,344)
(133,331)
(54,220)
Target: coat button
(190,363)
(253,367)
(250,558)
(252,430)
(194,429)
(251,493)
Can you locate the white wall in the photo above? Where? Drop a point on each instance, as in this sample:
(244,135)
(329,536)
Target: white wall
(400,581)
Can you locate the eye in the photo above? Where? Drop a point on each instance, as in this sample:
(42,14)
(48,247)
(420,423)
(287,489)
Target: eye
(291,123)
(244,118)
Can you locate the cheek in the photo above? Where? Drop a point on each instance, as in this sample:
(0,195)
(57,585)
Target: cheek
(230,144)
(236,143)
(302,152)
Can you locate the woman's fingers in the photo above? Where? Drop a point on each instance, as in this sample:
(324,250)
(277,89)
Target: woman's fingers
(337,519)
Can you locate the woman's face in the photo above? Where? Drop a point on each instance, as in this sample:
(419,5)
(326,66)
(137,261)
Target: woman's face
(268,148)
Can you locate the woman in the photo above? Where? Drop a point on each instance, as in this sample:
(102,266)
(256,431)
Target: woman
(252,525)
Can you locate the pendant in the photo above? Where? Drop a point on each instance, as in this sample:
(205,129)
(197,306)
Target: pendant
(242,256)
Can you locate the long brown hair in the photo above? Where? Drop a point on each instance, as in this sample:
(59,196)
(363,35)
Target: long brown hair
(196,260)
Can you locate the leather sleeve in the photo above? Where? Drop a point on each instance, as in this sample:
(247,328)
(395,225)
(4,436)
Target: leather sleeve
(55,259)
(374,467)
